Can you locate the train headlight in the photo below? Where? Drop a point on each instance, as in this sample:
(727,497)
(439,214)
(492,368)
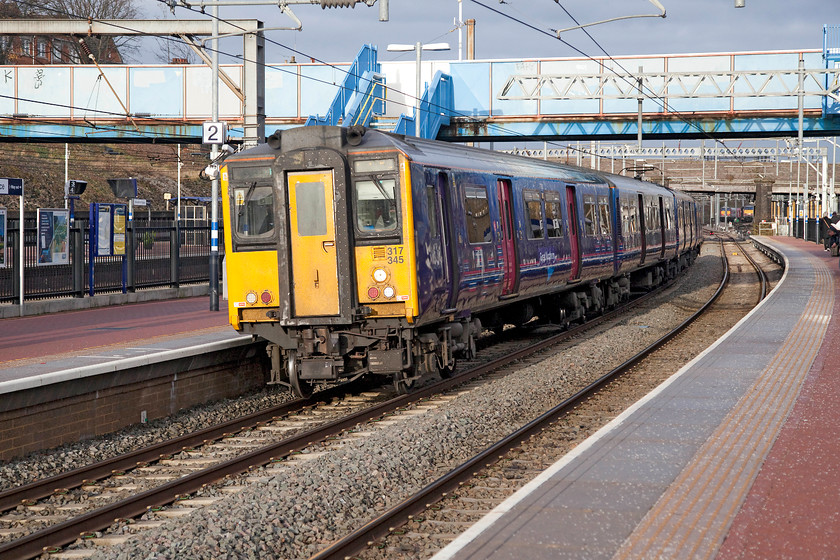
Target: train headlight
(380,275)
(373,292)
(388,292)
(251,298)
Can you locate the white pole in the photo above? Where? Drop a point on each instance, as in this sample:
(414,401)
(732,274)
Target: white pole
(419,48)
(825,201)
(460,30)
(214,152)
(66,168)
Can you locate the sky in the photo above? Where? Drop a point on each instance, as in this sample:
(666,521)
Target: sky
(516,29)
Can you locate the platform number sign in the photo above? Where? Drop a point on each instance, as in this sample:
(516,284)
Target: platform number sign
(214,133)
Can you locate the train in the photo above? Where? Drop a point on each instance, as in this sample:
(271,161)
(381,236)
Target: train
(743,214)
(357,252)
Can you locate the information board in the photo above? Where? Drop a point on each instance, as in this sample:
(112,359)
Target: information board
(103,230)
(109,223)
(53,236)
(119,229)
(11,186)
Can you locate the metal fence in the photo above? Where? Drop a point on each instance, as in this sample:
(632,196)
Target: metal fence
(159,252)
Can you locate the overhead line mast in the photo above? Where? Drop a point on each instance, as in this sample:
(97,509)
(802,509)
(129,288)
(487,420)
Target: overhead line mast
(214,148)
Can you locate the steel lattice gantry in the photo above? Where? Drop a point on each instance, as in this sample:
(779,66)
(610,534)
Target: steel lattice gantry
(251,94)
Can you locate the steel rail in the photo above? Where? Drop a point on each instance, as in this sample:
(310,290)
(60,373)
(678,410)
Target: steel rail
(762,275)
(400,514)
(61,534)
(39,489)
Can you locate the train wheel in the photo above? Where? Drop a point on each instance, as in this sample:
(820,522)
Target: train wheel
(446,372)
(404,382)
(301,388)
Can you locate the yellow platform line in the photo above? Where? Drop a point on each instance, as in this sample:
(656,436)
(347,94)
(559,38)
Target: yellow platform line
(691,519)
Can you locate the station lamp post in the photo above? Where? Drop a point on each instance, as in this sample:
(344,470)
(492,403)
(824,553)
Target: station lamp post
(419,47)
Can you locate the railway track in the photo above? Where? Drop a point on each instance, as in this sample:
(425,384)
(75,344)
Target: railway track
(428,520)
(181,472)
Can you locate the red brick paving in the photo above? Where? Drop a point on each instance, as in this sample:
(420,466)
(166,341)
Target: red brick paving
(43,335)
(793,508)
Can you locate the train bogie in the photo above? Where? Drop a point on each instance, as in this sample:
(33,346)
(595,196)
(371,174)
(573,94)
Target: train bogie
(357,252)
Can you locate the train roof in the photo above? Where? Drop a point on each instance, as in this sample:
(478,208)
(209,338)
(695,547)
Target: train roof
(435,154)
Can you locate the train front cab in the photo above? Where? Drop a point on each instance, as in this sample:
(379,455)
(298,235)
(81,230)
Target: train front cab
(330,284)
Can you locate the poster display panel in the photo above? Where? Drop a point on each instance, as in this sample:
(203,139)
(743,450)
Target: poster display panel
(109,229)
(103,230)
(2,238)
(119,229)
(53,232)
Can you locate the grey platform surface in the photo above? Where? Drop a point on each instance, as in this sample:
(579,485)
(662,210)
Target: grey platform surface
(29,374)
(665,479)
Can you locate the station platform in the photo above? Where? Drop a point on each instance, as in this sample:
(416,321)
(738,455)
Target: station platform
(736,456)
(48,348)
(71,375)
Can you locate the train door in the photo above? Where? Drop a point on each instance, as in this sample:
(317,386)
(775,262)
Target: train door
(511,270)
(663,224)
(574,241)
(448,241)
(312,233)
(643,227)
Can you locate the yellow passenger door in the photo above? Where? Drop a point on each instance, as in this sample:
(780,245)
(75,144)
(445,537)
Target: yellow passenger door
(314,258)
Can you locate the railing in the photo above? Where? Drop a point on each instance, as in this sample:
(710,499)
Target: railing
(159,253)
(365,62)
(436,106)
(369,100)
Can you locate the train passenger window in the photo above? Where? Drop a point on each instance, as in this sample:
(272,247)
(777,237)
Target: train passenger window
(553,218)
(479,225)
(376,205)
(652,215)
(432,213)
(589,213)
(629,215)
(604,215)
(253,210)
(535,216)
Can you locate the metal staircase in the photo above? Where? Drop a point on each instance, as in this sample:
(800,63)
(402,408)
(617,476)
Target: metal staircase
(361,101)
(360,96)
(436,106)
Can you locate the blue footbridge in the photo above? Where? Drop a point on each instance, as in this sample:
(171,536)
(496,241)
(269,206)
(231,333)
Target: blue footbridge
(720,95)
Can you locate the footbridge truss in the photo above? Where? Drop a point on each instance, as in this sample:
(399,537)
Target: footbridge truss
(720,95)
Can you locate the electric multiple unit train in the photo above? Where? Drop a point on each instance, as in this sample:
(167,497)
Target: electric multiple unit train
(355,252)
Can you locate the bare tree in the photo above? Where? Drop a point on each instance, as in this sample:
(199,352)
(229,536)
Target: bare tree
(170,49)
(12,10)
(106,49)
